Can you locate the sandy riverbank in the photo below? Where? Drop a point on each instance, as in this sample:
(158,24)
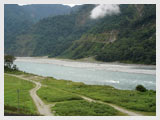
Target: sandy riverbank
(121,67)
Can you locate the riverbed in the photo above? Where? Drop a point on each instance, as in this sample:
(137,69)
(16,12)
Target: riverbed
(121,76)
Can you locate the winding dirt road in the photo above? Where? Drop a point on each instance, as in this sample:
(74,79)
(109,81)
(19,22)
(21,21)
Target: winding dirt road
(44,109)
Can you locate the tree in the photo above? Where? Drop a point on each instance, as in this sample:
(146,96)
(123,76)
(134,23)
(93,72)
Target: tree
(8,62)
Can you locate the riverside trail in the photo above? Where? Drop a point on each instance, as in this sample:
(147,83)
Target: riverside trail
(44,109)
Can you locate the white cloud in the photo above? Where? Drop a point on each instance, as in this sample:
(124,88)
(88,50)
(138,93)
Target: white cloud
(104,9)
(22,4)
(72,5)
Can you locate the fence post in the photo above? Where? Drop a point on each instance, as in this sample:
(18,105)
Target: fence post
(18,99)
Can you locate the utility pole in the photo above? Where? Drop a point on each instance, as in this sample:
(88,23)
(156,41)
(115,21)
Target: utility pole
(18,100)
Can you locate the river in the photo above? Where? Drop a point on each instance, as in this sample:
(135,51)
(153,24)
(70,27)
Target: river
(121,76)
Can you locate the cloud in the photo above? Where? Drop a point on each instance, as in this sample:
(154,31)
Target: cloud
(72,5)
(104,9)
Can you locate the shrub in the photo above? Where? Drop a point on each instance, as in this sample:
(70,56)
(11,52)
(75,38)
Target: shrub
(141,88)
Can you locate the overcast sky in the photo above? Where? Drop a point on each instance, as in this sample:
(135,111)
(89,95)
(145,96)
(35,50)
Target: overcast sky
(71,4)
(63,4)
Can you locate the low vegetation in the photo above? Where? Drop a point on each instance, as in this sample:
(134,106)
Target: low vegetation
(65,95)
(26,105)
(51,94)
(83,108)
(70,104)
(130,99)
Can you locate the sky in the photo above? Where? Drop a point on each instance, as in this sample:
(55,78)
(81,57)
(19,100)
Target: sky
(71,5)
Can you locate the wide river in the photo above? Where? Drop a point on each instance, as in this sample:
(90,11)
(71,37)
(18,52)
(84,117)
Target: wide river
(121,76)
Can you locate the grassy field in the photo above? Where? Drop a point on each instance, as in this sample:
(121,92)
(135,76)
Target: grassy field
(83,108)
(51,94)
(64,94)
(130,99)
(26,105)
(69,104)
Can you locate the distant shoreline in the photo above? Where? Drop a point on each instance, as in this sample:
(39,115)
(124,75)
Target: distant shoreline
(111,66)
(86,60)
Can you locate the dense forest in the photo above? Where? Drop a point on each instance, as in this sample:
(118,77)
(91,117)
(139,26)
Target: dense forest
(129,36)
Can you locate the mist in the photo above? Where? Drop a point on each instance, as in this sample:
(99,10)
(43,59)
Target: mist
(104,9)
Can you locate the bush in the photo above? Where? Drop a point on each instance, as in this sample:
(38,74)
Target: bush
(141,88)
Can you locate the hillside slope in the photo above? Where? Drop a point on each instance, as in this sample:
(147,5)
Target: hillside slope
(40,11)
(19,21)
(129,36)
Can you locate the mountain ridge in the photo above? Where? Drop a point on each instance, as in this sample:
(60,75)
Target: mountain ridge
(127,37)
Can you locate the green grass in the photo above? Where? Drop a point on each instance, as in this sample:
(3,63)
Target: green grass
(26,105)
(50,94)
(70,104)
(83,108)
(130,99)
(140,101)
(63,91)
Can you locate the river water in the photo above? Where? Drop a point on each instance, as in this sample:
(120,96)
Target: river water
(121,76)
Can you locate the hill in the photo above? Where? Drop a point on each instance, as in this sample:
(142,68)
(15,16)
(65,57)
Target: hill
(19,20)
(40,11)
(129,36)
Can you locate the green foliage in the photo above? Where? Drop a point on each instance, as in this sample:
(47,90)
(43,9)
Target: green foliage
(8,63)
(64,94)
(18,21)
(40,11)
(130,99)
(26,106)
(9,59)
(141,88)
(51,94)
(83,108)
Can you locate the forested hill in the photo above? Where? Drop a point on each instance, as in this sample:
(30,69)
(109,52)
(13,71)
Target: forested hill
(19,20)
(16,21)
(129,36)
(39,11)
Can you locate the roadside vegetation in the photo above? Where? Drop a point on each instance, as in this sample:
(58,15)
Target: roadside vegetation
(51,94)
(26,105)
(83,108)
(65,93)
(70,104)
(17,100)
(130,99)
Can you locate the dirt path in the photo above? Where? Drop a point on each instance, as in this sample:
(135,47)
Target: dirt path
(130,113)
(42,108)
(123,110)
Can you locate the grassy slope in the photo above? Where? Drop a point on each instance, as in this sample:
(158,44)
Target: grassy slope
(138,101)
(11,84)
